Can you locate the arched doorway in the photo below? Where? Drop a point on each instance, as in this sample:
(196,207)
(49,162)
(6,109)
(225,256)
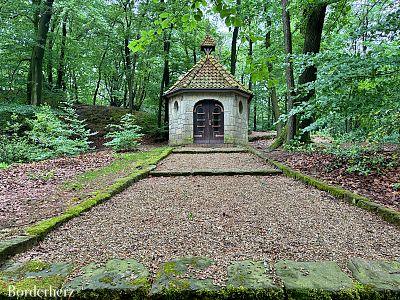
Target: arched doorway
(208,122)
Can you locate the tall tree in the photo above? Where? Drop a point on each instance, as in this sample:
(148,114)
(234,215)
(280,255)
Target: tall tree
(235,35)
(165,81)
(271,87)
(61,61)
(50,53)
(41,21)
(289,68)
(312,42)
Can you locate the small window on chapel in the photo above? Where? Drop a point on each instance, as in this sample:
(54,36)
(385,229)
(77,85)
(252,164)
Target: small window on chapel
(240,107)
(176,105)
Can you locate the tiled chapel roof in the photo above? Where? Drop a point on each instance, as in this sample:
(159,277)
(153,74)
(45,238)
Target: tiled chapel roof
(208,73)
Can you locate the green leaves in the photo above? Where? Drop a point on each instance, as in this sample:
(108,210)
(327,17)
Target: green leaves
(125,136)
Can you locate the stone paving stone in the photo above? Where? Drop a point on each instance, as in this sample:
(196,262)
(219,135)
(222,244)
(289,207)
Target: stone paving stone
(117,279)
(314,280)
(13,245)
(380,275)
(177,279)
(250,280)
(33,278)
(249,274)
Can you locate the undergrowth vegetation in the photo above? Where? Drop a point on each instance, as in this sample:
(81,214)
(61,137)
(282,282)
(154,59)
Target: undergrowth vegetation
(124,136)
(32,134)
(355,158)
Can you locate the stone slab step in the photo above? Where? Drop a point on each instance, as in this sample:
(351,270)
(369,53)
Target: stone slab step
(187,150)
(186,278)
(215,172)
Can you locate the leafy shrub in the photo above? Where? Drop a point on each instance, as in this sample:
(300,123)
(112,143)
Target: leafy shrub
(124,136)
(297,146)
(363,160)
(11,114)
(58,136)
(148,122)
(47,135)
(3,166)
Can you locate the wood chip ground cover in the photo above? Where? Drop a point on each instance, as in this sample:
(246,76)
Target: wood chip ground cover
(31,192)
(71,181)
(378,187)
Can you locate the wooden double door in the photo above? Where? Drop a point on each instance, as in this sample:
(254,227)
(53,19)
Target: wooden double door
(208,122)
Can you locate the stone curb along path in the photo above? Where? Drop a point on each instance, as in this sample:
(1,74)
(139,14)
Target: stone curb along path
(37,232)
(176,279)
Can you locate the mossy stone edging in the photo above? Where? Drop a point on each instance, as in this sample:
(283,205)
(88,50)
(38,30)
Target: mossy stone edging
(39,230)
(200,150)
(117,279)
(15,244)
(33,278)
(214,172)
(384,212)
(179,279)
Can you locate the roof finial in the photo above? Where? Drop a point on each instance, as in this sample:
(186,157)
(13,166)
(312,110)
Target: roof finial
(208,45)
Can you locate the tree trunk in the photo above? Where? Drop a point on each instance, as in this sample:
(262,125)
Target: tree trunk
(251,87)
(130,67)
(50,54)
(61,62)
(273,96)
(235,35)
(165,80)
(35,20)
(75,85)
(289,69)
(275,109)
(254,114)
(234,49)
(312,43)
(96,91)
(194,56)
(36,96)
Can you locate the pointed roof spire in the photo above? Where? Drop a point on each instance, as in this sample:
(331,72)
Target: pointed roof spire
(208,45)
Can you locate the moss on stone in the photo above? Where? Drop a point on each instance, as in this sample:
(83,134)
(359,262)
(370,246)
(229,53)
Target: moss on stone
(378,278)
(127,162)
(176,280)
(15,244)
(112,280)
(249,280)
(315,280)
(33,275)
(249,274)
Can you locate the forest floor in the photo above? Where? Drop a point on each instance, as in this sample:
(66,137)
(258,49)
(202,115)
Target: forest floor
(31,192)
(226,218)
(378,185)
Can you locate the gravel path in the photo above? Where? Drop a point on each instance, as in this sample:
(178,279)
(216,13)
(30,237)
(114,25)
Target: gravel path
(188,162)
(224,218)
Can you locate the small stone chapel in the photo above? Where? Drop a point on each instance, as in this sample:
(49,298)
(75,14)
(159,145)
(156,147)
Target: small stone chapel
(208,105)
